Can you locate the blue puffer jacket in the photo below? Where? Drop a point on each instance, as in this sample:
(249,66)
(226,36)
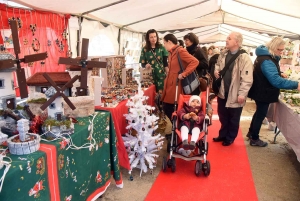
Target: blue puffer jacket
(269,70)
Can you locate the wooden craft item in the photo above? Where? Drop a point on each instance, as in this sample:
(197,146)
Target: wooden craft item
(84,63)
(59,91)
(9,63)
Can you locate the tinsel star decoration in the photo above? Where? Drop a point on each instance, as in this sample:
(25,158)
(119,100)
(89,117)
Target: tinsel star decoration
(25,41)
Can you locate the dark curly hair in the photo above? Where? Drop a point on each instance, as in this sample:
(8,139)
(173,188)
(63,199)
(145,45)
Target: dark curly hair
(148,45)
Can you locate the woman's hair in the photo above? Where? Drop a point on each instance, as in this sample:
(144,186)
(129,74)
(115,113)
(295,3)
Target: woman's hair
(181,43)
(205,50)
(171,38)
(192,37)
(273,44)
(148,45)
(212,47)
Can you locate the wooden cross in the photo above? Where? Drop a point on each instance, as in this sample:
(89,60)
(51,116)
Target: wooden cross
(84,63)
(59,92)
(9,63)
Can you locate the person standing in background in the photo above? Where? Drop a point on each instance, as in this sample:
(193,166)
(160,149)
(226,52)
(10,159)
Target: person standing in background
(235,85)
(155,56)
(267,82)
(181,43)
(191,41)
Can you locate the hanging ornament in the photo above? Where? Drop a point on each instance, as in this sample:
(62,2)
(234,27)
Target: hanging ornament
(131,178)
(25,41)
(57,42)
(19,21)
(36,45)
(49,42)
(30,64)
(61,47)
(43,63)
(33,28)
(64,34)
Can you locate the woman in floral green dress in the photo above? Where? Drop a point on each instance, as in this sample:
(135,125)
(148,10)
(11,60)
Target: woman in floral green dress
(155,56)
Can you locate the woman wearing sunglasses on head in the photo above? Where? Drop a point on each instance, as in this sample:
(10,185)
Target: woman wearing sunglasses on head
(267,82)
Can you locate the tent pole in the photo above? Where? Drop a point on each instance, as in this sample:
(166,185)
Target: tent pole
(79,35)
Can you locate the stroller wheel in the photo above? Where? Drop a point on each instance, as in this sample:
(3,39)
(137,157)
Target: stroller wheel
(206,168)
(198,168)
(173,166)
(164,164)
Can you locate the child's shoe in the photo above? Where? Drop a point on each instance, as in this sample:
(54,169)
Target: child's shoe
(192,145)
(185,145)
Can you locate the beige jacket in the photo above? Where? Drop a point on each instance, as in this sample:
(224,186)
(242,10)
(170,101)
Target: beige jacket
(241,81)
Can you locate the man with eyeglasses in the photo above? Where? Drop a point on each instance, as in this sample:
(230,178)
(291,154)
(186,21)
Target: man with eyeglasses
(267,82)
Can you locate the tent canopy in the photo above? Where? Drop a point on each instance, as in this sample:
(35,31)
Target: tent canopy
(210,20)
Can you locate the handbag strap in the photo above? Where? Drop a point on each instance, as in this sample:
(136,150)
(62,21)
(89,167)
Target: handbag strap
(223,71)
(158,61)
(181,65)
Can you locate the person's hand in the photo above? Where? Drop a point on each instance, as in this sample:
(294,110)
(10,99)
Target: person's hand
(284,75)
(148,66)
(298,86)
(180,77)
(167,70)
(241,99)
(187,116)
(195,117)
(217,74)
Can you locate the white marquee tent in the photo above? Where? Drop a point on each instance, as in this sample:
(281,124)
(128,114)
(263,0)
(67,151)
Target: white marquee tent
(210,20)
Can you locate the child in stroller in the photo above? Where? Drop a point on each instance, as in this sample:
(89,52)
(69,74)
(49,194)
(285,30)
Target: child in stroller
(191,120)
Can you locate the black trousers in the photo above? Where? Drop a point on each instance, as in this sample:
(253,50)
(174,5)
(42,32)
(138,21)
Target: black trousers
(229,118)
(257,119)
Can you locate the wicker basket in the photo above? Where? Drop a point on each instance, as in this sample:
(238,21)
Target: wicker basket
(21,148)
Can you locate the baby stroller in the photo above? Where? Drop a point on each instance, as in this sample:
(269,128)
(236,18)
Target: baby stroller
(174,146)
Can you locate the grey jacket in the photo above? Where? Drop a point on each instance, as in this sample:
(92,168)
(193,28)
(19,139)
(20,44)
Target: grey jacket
(241,81)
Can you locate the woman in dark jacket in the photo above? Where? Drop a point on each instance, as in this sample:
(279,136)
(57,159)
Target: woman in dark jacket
(191,42)
(267,82)
(213,60)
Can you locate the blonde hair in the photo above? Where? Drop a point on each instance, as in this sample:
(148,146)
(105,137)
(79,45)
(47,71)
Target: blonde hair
(238,38)
(273,44)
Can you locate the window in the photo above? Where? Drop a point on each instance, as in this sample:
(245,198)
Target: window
(44,89)
(1,83)
(52,106)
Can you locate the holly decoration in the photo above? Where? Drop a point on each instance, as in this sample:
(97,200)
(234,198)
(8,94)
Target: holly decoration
(33,28)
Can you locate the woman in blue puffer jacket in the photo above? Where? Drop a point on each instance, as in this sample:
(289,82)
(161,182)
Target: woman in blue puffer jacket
(267,82)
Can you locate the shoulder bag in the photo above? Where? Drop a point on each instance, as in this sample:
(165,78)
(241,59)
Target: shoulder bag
(217,81)
(190,82)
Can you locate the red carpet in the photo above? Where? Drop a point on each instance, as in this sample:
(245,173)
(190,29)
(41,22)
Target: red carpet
(230,177)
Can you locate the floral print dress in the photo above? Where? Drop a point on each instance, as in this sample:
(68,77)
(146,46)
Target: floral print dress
(158,71)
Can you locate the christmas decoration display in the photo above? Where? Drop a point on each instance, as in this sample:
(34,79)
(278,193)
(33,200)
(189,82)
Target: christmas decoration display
(24,143)
(141,147)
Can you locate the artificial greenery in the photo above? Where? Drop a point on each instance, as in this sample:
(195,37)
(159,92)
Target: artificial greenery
(291,91)
(53,122)
(39,100)
(19,107)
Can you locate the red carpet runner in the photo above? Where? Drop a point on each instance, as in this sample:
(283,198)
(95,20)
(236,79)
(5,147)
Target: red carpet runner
(230,178)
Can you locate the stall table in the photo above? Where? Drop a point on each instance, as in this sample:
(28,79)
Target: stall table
(120,123)
(288,122)
(59,172)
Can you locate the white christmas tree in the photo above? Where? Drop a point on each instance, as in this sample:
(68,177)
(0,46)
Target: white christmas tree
(141,147)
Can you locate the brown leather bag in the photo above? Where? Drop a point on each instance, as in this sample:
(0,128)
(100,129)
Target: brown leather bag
(203,82)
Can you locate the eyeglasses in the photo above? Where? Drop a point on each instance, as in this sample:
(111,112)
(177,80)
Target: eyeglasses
(280,50)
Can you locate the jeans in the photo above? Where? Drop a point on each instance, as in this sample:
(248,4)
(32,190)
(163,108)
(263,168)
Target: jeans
(257,119)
